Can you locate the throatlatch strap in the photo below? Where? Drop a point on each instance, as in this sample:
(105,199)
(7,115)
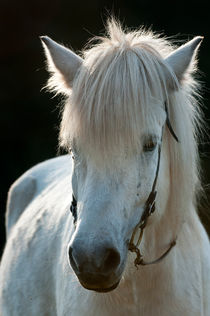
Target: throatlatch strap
(139,257)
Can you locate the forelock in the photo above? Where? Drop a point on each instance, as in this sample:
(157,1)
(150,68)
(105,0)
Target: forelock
(111,98)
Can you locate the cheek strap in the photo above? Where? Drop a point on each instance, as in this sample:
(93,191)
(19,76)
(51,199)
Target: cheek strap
(149,208)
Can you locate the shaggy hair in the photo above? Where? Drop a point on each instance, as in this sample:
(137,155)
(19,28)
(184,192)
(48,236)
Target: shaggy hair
(109,105)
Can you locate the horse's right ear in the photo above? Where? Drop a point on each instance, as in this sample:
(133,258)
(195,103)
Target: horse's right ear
(62,63)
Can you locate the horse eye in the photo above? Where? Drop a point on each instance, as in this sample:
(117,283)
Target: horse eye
(149,145)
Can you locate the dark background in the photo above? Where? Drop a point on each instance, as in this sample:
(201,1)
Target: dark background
(29,116)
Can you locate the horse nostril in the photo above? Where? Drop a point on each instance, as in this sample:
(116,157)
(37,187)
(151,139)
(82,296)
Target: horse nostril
(72,260)
(111,260)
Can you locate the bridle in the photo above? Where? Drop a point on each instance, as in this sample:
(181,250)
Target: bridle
(149,208)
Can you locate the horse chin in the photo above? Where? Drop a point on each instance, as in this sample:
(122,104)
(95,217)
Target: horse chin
(100,289)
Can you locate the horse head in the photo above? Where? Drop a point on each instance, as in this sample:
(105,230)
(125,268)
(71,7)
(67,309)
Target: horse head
(114,123)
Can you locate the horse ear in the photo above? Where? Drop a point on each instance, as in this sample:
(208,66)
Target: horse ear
(182,59)
(62,63)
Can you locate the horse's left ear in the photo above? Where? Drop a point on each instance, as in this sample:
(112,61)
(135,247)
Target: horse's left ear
(62,63)
(182,59)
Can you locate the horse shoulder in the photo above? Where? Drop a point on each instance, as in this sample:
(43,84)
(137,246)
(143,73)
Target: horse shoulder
(28,186)
(19,196)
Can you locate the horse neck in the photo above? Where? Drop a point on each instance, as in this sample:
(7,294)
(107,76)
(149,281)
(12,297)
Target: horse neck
(162,230)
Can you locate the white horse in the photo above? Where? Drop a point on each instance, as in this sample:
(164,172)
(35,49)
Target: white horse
(129,97)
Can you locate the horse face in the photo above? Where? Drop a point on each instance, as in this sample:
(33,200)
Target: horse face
(110,204)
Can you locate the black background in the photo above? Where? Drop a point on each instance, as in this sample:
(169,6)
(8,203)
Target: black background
(29,116)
